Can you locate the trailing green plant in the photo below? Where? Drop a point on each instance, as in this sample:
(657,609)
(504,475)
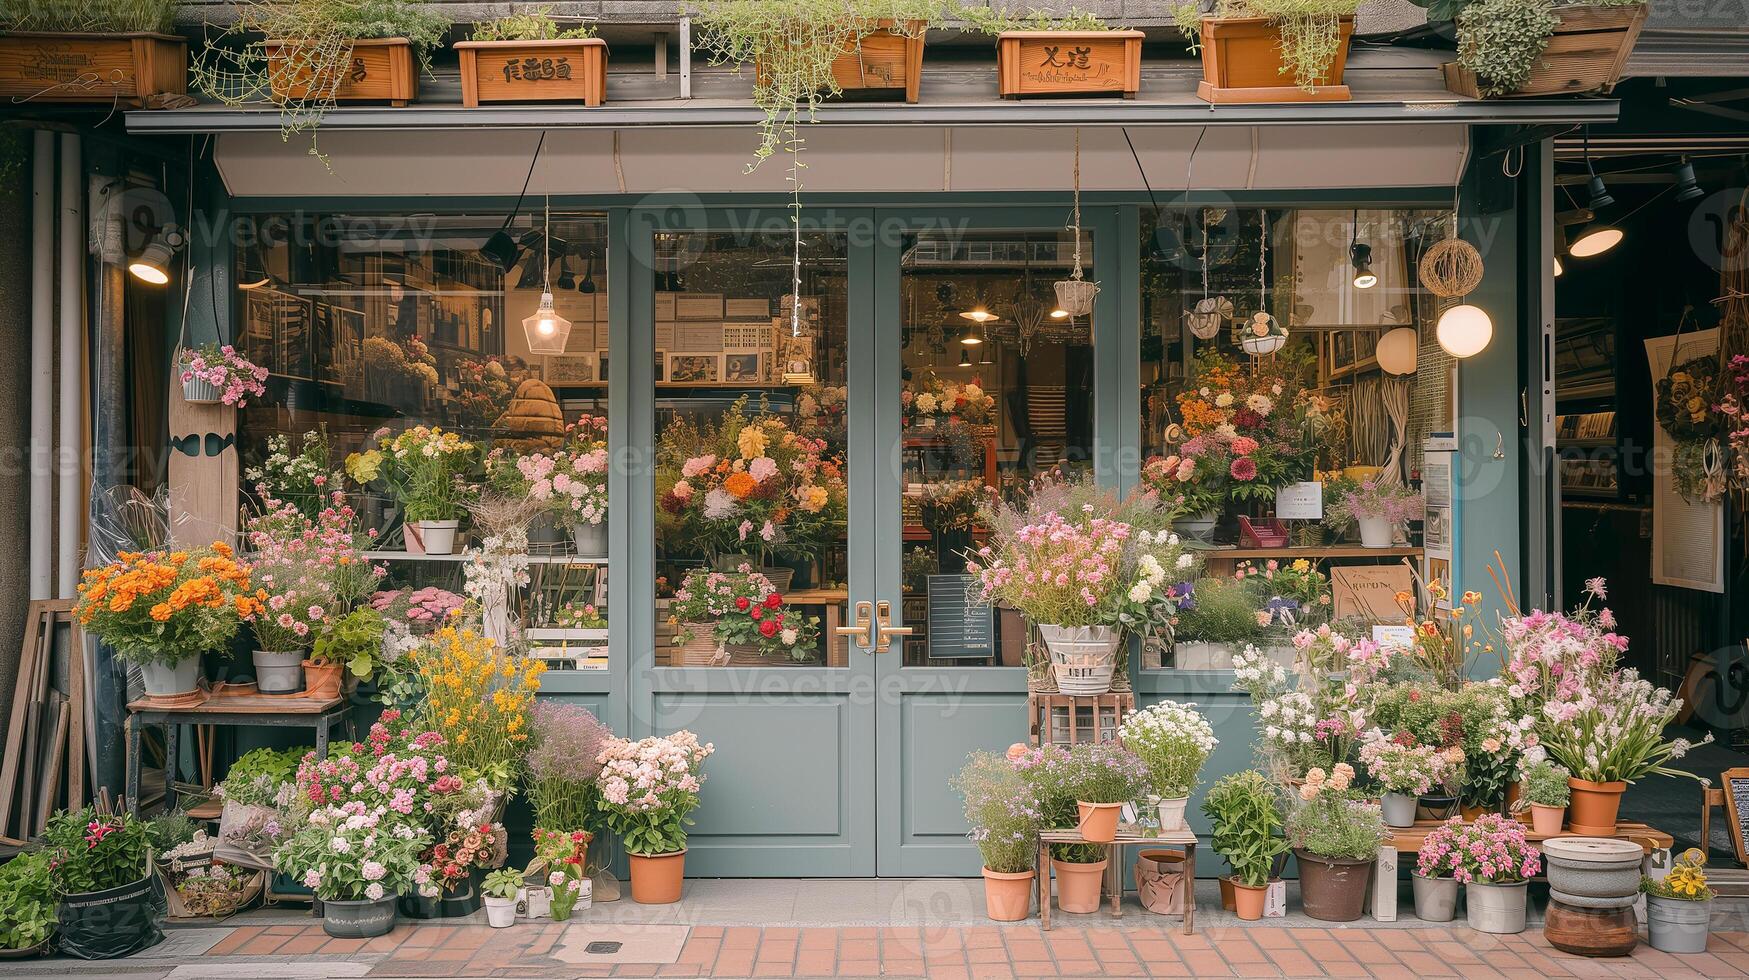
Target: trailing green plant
(1501,40)
(356,640)
(257,775)
(531,25)
(88,16)
(27,893)
(997,20)
(1310,29)
(1244,817)
(304,79)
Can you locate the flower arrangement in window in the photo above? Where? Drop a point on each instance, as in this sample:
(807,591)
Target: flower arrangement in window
(751,485)
(934,400)
(421,466)
(571,481)
(742,608)
(1191,482)
(310,568)
(411,360)
(217,372)
(483,389)
(303,477)
(1260,424)
(1375,500)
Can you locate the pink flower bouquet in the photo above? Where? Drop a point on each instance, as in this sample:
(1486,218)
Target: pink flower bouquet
(235,379)
(1492,850)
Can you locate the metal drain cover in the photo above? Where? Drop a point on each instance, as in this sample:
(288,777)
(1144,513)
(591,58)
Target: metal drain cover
(603,948)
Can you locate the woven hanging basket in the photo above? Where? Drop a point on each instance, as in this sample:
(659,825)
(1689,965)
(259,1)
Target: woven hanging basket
(1451,268)
(1076,296)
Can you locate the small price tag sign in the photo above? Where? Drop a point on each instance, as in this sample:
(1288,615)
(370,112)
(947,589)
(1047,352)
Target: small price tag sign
(1300,502)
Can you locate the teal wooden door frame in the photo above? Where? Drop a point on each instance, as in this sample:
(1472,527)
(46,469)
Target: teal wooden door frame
(927,719)
(789,791)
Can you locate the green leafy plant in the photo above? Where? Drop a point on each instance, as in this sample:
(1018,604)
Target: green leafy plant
(255,778)
(356,640)
(1244,816)
(1501,40)
(88,16)
(1220,610)
(27,893)
(1333,824)
(503,883)
(1310,29)
(1003,812)
(171,829)
(1545,784)
(531,25)
(303,80)
(91,851)
(997,20)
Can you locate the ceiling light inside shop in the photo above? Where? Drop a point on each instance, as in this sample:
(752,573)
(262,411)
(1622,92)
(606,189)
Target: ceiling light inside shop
(1687,188)
(1596,239)
(1559,268)
(979,315)
(1360,256)
(547,331)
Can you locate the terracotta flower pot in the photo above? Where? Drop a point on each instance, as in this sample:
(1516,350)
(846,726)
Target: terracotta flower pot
(1098,823)
(321,681)
(1078,885)
(1593,808)
(1248,901)
(1229,895)
(1007,895)
(657,878)
(1547,820)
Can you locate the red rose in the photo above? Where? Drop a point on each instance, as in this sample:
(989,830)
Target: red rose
(773,600)
(757,612)
(768,629)
(742,603)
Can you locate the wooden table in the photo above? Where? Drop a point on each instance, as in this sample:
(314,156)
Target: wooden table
(1408,840)
(1126,835)
(239,711)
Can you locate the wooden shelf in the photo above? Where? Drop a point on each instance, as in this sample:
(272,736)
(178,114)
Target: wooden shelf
(463,556)
(1334,551)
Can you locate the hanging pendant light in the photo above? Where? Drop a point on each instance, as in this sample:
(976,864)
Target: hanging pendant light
(1360,257)
(965,357)
(547,331)
(1464,330)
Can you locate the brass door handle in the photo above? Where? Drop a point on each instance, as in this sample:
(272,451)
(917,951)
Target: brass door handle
(863,630)
(884,626)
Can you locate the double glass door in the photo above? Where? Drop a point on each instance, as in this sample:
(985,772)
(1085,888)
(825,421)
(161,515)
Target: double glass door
(829,436)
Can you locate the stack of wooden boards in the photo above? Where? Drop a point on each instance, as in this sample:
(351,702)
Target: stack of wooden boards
(42,761)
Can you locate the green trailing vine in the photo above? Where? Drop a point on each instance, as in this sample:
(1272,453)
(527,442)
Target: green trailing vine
(998,20)
(532,25)
(304,83)
(88,16)
(1501,40)
(1311,30)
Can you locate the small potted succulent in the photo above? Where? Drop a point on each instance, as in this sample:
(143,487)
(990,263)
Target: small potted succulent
(1005,820)
(1173,741)
(1679,906)
(1546,794)
(1244,816)
(502,887)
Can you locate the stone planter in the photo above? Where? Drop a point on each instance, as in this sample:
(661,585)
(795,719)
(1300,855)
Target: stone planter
(360,919)
(1677,926)
(1399,809)
(1333,889)
(1496,909)
(1592,872)
(1435,898)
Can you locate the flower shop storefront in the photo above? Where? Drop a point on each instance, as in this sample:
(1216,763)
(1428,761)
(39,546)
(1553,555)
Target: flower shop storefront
(765,450)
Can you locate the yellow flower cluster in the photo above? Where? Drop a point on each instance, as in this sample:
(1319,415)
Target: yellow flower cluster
(479,697)
(1686,880)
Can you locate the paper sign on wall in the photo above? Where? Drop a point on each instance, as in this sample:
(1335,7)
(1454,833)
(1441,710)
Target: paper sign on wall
(1300,502)
(1370,591)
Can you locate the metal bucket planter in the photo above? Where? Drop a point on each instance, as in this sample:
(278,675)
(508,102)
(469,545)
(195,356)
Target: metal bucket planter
(199,391)
(1496,908)
(171,680)
(1435,898)
(590,539)
(279,672)
(1437,807)
(1083,658)
(1333,889)
(1399,809)
(360,919)
(1677,926)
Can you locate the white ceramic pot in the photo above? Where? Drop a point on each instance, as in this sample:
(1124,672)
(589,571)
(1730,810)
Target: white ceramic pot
(1172,812)
(1197,655)
(1375,532)
(500,912)
(1399,809)
(1083,658)
(1497,909)
(1198,526)
(590,539)
(279,672)
(438,536)
(171,680)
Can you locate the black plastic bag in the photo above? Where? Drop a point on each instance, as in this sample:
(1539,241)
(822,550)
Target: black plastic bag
(112,923)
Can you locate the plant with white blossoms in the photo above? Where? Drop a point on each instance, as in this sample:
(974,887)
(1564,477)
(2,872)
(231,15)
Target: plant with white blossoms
(1258,674)
(1613,730)
(1173,740)
(1290,722)
(353,853)
(649,786)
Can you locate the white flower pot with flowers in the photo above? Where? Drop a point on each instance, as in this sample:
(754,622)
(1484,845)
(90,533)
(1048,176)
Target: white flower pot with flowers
(422,467)
(1078,563)
(215,374)
(1173,740)
(1378,508)
(1403,772)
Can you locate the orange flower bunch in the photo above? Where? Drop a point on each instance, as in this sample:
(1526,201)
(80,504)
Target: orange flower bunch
(166,606)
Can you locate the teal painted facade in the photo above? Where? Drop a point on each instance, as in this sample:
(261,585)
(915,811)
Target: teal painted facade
(844,772)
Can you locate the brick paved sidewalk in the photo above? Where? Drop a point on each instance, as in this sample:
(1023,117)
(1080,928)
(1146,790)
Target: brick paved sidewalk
(541,950)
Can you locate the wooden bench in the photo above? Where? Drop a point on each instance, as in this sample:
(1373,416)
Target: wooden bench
(1126,835)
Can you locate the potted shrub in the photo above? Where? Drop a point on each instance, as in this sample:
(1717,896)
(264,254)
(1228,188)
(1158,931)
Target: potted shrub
(97,51)
(1068,782)
(565,857)
(1546,794)
(1510,48)
(1336,839)
(27,892)
(1608,734)
(1217,621)
(502,887)
(1270,50)
(1495,865)
(102,875)
(1193,485)
(163,609)
(1679,906)
(349,648)
(215,374)
(1379,509)
(532,57)
(1073,54)
(421,467)
(1173,741)
(1435,875)
(1244,816)
(357,864)
(1403,772)
(1005,820)
(649,811)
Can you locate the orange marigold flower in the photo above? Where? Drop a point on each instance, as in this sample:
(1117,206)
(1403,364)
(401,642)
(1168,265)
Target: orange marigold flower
(740,484)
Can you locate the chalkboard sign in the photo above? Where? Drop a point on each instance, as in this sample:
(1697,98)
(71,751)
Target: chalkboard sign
(1737,810)
(959,627)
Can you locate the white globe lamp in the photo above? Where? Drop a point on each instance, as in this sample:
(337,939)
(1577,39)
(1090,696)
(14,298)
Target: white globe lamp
(1397,350)
(1464,330)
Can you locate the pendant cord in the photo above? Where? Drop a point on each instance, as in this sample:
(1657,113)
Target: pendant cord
(1075,221)
(1263,259)
(546,246)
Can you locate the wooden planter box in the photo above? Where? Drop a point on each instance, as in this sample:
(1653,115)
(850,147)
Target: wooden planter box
(1241,62)
(143,70)
(1069,63)
(1586,54)
(881,61)
(563,70)
(379,70)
